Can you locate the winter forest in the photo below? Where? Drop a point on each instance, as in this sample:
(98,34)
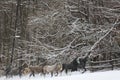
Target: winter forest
(44,32)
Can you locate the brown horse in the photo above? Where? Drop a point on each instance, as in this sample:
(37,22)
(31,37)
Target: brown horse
(32,70)
(56,68)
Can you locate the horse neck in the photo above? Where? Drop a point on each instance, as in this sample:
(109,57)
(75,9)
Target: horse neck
(74,62)
(58,67)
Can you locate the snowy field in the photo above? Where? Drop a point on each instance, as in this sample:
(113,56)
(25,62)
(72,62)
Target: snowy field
(106,75)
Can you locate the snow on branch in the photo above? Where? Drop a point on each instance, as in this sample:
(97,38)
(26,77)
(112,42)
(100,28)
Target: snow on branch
(46,5)
(74,26)
(81,44)
(97,42)
(40,43)
(64,49)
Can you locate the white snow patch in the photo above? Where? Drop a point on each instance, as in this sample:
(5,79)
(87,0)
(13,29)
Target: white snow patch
(106,75)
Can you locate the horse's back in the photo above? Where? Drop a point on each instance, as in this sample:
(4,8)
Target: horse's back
(32,69)
(48,68)
(36,68)
(52,68)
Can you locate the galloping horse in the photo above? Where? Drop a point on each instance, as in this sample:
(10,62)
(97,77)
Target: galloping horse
(52,69)
(32,70)
(71,66)
(78,62)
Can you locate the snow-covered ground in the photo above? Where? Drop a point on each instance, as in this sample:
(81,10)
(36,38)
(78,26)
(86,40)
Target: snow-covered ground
(106,75)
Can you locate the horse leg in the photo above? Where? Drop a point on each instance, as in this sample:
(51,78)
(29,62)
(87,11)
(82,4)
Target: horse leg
(44,74)
(56,74)
(66,71)
(51,74)
(74,69)
(32,73)
(84,68)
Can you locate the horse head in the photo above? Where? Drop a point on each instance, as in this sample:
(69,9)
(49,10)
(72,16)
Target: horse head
(26,71)
(82,62)
(59,67)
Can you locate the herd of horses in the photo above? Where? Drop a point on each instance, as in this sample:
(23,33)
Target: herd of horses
(77,63)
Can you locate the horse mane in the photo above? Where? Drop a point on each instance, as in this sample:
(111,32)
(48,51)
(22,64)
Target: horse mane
(74,62)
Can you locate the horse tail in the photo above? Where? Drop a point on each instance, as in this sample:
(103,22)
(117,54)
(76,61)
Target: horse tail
(63,67)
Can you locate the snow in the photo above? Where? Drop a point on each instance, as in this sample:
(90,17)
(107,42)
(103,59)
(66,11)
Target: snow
(106,75)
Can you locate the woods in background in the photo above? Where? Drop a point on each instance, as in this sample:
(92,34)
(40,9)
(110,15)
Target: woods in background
(47,31)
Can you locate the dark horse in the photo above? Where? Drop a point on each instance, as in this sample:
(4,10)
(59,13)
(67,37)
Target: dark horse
(71,66)
(78,62)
